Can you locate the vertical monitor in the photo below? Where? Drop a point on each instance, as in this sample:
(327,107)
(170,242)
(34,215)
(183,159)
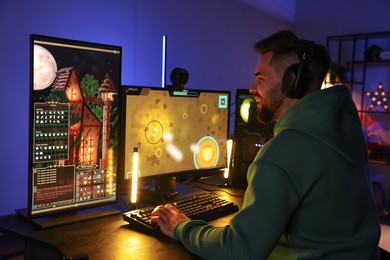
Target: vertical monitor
(174,131)
(74,126)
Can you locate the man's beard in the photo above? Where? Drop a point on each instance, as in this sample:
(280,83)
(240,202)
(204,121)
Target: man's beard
(265,115)
(267,111)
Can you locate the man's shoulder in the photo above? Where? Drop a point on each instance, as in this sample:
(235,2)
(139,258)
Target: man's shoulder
(288,145)
(289,139)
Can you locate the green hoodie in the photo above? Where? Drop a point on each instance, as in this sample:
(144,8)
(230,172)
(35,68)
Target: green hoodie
(309,191)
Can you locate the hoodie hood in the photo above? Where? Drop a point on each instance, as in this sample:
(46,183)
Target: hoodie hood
(327,115)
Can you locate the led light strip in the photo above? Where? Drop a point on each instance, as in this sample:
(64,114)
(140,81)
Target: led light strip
(134,180)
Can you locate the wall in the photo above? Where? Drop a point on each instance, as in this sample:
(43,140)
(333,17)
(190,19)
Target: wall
(318,19)
(212,39)
(284,9)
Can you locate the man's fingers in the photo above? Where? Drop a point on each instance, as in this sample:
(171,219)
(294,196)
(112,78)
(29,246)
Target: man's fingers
(156,209)
(156,220)
(171,208)
(167,217)
(163,211)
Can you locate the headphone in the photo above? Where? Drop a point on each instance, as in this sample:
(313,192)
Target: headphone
(295,78)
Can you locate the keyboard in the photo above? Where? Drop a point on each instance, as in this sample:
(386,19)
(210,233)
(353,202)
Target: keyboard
(203,207)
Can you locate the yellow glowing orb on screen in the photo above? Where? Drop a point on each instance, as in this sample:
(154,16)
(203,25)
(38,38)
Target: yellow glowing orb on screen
(154,132)
(244,109)
(206,153)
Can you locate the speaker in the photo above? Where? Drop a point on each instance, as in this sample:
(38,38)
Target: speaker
(296,77)
(249,136)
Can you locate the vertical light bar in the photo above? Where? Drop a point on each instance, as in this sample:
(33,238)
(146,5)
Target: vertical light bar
(164,61)
(134,179)
(229,144)
(110,172)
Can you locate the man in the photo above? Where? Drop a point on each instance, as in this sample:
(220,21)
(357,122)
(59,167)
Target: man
(309,188)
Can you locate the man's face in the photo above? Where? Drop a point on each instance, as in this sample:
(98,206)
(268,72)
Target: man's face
(266,90)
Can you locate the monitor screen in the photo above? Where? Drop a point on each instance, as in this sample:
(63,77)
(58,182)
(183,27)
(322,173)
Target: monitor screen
(74,129)
(174,131)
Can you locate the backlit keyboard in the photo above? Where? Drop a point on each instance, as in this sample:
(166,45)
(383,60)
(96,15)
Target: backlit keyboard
(204,207)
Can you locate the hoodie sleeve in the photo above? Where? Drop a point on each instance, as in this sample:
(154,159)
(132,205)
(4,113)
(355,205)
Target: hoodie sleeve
(254,231)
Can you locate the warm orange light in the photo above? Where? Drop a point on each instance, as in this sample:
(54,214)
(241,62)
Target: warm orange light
(110,171)
(207,154)
(72,94)
(379,97)
(134,179)
(229,145)
(226,173)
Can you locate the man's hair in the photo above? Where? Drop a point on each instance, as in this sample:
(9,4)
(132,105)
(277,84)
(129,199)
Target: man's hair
(285,48)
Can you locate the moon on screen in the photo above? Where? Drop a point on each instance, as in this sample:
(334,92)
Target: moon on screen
(45,68)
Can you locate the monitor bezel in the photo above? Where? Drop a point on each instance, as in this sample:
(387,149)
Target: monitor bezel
(124,184)
(76,207)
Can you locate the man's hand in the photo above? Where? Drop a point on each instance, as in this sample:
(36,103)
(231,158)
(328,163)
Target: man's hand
(167,217)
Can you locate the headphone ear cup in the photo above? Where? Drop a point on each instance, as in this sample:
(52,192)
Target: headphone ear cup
(288,81)
(297,76)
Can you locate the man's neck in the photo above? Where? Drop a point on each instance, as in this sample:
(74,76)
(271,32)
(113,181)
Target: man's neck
(284,106)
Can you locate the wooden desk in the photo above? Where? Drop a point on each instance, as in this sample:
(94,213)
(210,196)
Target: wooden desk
(103,238)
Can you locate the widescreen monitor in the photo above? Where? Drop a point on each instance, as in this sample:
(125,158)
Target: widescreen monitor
(174,132)
(74,126)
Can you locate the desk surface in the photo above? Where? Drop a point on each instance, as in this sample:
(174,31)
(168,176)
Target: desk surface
(105,238)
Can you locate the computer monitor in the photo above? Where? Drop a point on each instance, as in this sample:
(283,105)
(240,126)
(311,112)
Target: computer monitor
(175,132)
(74,126)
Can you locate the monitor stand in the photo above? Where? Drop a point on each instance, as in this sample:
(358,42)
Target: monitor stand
(159,190)
(69,217)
